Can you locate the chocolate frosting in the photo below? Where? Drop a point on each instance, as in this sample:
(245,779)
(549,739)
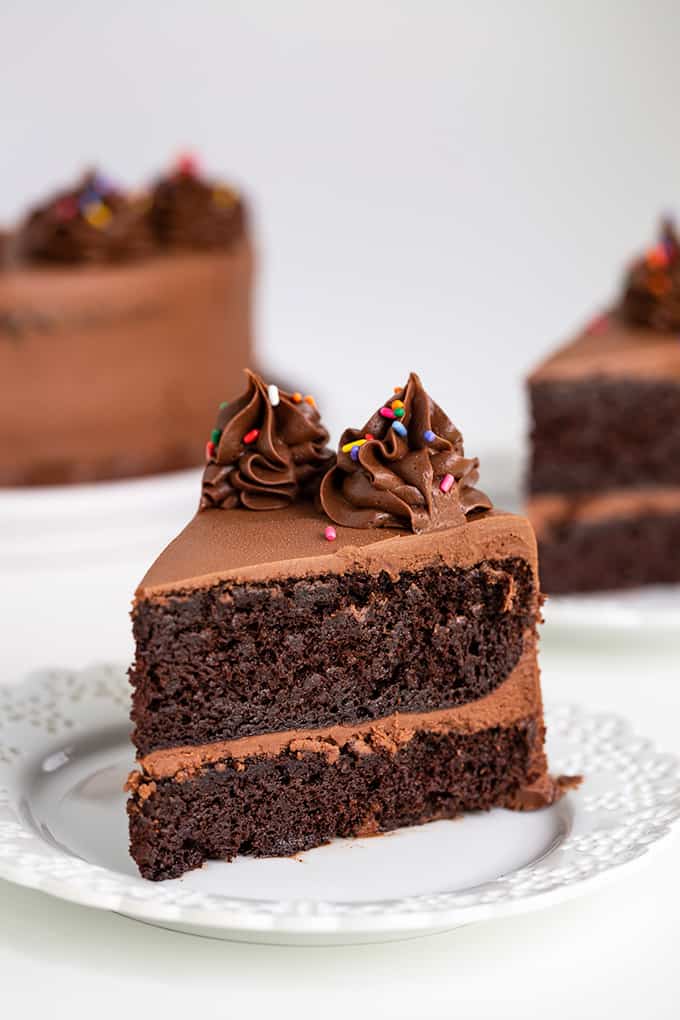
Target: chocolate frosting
(190,212)
(651,294)
(282,462)
(92,222)
(393,480)
(96,222)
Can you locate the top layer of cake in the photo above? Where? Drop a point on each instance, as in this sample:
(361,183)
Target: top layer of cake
(609,347)
(252,621)
(267,460)
(96,221)
(240,545)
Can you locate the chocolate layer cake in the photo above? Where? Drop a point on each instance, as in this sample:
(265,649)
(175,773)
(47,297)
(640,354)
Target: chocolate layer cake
(604,480)
(334,646)
(123,319)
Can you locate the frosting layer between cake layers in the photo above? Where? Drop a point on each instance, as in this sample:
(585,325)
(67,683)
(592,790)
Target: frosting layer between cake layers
(516,700)
(552,509)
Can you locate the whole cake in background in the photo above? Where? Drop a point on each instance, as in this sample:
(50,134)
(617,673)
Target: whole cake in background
(335,645)
(604,477)
(122,318)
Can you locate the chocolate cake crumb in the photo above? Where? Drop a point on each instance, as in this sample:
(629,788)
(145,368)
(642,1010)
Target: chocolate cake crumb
(291,802)
(217,664)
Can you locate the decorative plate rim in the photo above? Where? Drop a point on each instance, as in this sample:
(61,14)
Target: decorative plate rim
(609,831)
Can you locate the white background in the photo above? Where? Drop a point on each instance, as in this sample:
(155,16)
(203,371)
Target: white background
(443,186)
(439,186)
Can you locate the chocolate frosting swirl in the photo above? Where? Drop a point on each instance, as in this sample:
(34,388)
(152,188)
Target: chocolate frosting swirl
(394,481)
(282,463)
(91,222)
(651,295)
(190,212)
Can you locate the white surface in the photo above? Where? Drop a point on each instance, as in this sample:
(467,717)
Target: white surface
(71,558)
(611,954)
(73,610)
(654,607)
(446,186)
(65,755)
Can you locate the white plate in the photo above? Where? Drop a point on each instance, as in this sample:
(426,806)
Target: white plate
(91,544)
(64,757)
(656,607)
(58,524)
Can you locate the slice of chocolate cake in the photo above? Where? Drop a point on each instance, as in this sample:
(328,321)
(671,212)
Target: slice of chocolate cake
(604,480)
(304,673)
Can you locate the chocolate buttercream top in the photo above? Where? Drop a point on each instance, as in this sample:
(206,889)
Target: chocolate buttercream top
(189,211)
(91,222)
(651,294)
(404,469)
(95,221)
(267,450)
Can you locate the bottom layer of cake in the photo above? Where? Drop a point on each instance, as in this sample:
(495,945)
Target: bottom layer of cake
(624,552)
(308,794)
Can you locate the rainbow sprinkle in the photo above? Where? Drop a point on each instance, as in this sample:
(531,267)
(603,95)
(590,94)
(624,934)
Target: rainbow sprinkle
(215,436)
(225,403)
(657,258)
(102,185)
(187,165)
(598,324)
(387,412)
(223,198)
(251,436)
(400,429)
(330,534)
(354,453)
(429,436)
(350,446)
(210,450)
(98,215)
(66,208)
(273,394)
(310,400)
(446,482)
(297,398)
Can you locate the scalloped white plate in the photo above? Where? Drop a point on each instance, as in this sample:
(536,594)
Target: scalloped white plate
(64,756)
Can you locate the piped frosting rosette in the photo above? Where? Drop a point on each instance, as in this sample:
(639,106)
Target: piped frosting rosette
(92,222)
(405,469)
(651,295)
(267,450)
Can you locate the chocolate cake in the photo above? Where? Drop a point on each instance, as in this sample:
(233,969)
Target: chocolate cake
(604,479)
(334,646)
(123,317)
